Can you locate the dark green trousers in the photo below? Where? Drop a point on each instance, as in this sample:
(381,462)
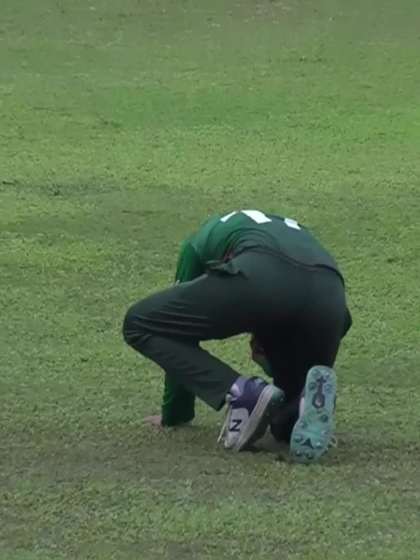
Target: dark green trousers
(297,313)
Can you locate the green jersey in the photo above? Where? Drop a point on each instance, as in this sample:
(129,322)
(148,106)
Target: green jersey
(223,237)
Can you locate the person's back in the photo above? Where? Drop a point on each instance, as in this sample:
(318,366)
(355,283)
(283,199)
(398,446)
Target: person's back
(227,236)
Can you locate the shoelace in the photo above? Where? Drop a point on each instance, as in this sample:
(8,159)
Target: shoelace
(226,421)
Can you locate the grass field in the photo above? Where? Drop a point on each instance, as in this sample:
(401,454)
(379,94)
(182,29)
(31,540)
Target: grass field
(124,124)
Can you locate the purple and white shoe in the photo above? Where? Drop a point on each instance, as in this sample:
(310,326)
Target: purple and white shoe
(249,401)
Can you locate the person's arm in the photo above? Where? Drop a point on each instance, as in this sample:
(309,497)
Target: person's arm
(178,404)
(189,265)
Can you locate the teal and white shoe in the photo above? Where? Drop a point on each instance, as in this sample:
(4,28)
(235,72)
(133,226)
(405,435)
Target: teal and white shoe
(313,432)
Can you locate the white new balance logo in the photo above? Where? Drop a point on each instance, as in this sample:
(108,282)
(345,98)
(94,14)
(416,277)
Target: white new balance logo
(236,420)
(235,425)
(237,417)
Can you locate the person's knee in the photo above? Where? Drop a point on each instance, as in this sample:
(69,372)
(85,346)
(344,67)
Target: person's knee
(133,328)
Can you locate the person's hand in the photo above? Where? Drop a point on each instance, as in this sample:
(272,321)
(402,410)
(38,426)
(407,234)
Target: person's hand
(257,351)
(155,420)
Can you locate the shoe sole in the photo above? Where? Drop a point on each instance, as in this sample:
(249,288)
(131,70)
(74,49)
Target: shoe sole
(312,433)
(260,417)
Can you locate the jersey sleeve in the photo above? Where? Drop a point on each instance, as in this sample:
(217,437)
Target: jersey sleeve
(189,263)
(178,404)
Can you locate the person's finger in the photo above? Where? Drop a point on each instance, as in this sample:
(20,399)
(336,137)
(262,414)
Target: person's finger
(155,420)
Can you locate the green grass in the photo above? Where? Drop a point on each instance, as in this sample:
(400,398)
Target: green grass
(122,126)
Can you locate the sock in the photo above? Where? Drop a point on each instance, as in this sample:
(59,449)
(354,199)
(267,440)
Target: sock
(238,387)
